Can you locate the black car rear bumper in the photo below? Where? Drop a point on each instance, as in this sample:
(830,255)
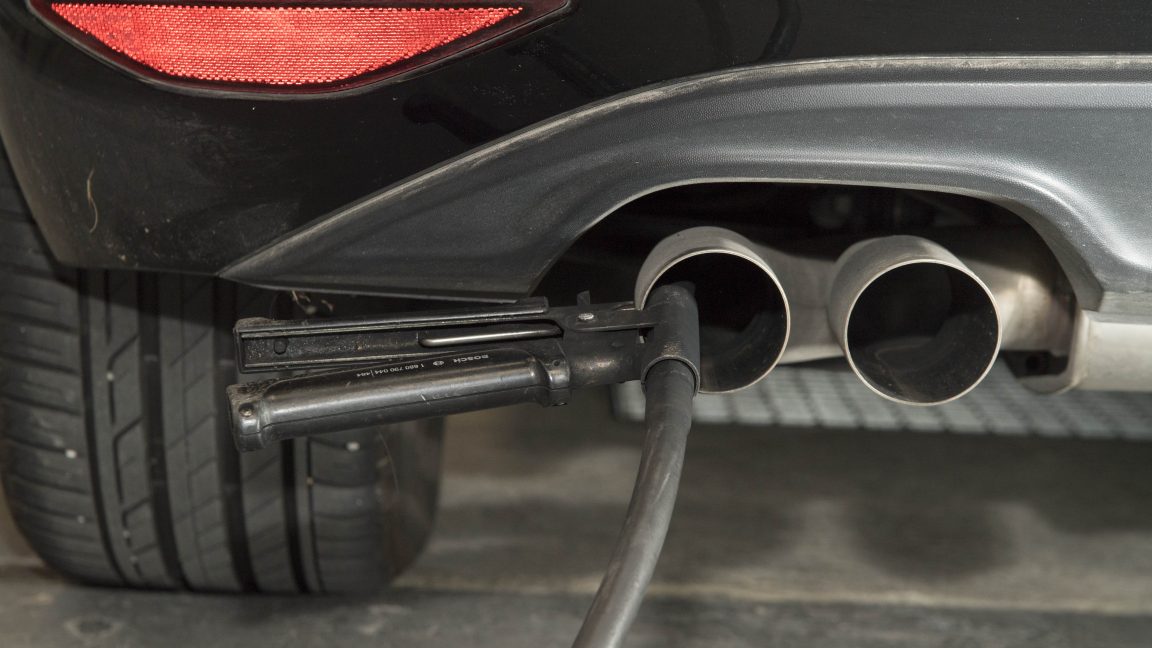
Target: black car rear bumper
(122,174)
(1061,141)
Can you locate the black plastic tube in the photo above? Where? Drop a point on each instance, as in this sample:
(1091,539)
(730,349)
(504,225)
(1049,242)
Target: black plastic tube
(669,387)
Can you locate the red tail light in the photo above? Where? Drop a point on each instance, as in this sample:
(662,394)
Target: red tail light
(285,47)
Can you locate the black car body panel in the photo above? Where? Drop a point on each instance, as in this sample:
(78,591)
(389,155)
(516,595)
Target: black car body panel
(120,173)
(1016,131)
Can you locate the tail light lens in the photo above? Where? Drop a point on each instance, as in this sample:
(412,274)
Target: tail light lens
(286,47)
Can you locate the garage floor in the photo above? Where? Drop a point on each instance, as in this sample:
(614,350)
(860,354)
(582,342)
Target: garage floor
(782,538)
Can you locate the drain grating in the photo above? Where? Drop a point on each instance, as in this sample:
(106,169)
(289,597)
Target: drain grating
(830,396)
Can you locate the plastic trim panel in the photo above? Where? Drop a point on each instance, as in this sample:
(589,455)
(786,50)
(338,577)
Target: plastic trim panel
(1063,141)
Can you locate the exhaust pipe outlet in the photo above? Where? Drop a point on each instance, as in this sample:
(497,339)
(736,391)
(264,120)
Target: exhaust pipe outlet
(744,315)
(916,324)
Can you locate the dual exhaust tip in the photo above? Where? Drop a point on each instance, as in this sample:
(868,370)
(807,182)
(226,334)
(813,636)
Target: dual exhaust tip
(915,323)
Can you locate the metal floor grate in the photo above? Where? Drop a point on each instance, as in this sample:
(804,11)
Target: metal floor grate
(830,396)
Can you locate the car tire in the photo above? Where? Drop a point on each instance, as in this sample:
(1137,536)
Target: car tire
(117,459)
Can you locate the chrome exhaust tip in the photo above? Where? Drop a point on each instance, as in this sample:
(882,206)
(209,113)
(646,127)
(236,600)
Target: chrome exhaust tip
(916,324)
(744,314)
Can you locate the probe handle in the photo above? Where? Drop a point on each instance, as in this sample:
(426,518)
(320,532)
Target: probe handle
(272,410)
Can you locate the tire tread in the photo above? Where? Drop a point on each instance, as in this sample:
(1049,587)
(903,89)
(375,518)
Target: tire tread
(115,452)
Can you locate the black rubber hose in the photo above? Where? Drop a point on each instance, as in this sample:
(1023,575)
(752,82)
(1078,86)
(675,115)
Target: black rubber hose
(669,387)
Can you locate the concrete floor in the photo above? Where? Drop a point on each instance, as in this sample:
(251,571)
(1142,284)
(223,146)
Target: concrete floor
(781,538)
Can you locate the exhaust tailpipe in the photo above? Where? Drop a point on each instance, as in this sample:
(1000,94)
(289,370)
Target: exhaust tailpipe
(916,324)
(744,314)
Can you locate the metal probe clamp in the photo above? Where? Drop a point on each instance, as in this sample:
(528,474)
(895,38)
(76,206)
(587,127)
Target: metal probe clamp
(371,371)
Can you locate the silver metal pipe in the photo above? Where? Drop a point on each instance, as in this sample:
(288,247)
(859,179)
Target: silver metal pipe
(1037,309)
(916,324)
(761,306)
(745,318)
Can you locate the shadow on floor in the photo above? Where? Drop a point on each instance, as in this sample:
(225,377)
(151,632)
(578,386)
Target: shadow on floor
(924,508)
